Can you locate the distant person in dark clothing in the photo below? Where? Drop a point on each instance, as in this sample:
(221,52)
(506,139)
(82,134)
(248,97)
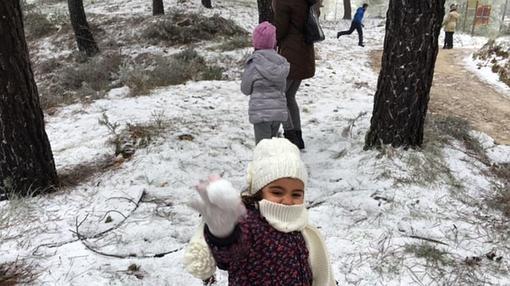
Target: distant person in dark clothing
(356,24)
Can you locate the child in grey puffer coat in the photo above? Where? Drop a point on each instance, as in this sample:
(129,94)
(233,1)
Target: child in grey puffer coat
(265,78)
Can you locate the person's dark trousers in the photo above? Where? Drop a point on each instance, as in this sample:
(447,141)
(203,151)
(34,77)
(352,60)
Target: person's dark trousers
(354,26)
(448,40)
(266,130)
(292,127)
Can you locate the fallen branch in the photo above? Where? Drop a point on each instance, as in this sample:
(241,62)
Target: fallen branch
(58,244)
(427,239)
(83,239)
(112,211)
(52,245)
(137,203)
(127,199)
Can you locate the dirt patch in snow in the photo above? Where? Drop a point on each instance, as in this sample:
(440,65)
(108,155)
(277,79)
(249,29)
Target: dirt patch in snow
(460,93)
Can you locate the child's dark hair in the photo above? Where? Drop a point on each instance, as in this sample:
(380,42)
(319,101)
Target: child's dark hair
(251,200)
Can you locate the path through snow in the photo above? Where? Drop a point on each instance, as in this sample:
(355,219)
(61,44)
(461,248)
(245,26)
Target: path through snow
(457,91)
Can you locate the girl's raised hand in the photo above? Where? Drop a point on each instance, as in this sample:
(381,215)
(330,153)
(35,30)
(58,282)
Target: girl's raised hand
(220,204)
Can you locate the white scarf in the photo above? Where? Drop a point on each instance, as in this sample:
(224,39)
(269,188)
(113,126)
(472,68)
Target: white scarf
(283,217)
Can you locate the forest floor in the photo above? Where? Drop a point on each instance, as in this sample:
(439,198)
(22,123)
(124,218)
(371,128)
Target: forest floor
(459,92)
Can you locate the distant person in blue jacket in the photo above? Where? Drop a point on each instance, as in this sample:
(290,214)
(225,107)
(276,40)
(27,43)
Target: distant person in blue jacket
(356,24)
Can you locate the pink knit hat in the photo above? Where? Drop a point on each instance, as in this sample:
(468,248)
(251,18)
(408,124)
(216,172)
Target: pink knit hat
(264,36)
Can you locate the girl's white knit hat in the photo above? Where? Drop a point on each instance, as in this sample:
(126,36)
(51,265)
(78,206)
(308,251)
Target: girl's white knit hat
(274,159)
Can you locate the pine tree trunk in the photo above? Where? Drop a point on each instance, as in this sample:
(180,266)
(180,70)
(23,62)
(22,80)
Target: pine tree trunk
(84,38)
(207,3)
(347,10)
(265,11)
(157,7)
(26,161)
(403,87)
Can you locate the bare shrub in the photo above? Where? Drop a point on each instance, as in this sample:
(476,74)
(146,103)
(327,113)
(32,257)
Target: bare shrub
(134,135)
(37,25)
(427,166)
(60,19)
(501,200)
(234,43)
(136,78)
(52,95)
(178,28)
(430,253)
(504,73)
(12,191)
(84,171)
(212,73)
(502,171)
(195,68)
(67,79)
(86,79)
(162,71)
(491,54)
(16,273)
(97,72)
(48,66)
(500,196)
(441,129)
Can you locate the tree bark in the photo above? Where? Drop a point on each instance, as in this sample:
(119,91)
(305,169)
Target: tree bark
(157,7)
(207,4)
(26,161)
(265,11)
(403,87)
(347,10)
(84,38)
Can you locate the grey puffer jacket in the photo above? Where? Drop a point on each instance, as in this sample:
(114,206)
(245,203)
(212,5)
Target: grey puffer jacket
(265,78)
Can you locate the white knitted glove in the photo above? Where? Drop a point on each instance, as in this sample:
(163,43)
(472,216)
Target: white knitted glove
(220,204)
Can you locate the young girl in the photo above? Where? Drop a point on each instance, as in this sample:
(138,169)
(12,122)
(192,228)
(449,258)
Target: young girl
(264,78)
(263,237)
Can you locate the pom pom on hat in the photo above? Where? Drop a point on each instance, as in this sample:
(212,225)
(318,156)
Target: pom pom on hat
(274,159)
(264,36)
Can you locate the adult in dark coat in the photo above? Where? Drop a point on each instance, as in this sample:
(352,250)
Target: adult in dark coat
(289,19)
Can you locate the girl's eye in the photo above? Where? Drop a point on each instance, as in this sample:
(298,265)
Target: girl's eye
(297,196)
(276,193)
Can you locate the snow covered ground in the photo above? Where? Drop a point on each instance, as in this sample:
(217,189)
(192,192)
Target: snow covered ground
(385,221)
(483,68)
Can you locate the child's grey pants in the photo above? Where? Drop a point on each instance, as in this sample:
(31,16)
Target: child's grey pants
(266,130)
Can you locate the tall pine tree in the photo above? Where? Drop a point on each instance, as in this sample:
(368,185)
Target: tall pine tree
(84,38)
(26,160)
(403,87)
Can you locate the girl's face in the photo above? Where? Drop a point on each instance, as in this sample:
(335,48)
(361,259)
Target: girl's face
(287,191)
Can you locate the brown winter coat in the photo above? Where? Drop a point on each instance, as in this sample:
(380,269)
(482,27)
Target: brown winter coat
(450,23)
(289,19)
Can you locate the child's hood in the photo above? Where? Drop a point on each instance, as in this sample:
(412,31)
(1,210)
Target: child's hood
(270,64)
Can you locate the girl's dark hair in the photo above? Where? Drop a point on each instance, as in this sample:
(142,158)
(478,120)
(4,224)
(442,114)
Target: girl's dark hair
(251,200)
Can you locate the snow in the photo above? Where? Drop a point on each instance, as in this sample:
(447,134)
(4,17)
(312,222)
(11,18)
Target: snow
(499,154)
(484,68)
(359,199)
